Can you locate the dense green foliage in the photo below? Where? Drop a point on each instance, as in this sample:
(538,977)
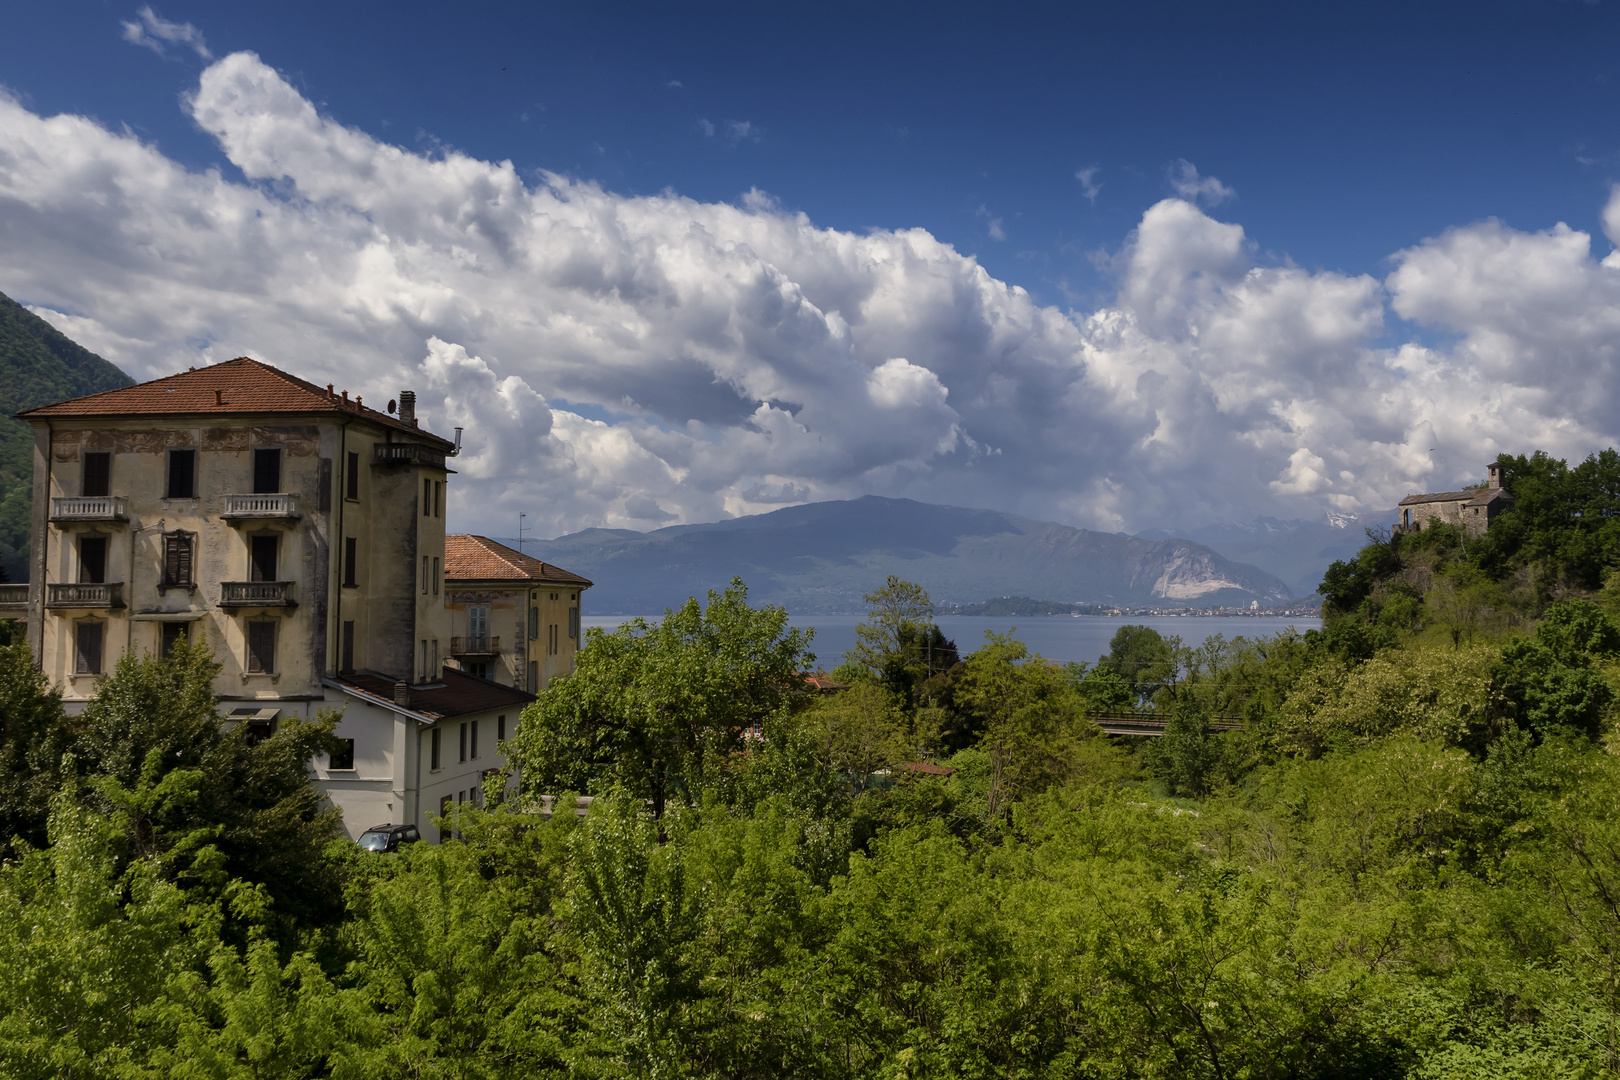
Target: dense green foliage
(38,365)
(1402,864)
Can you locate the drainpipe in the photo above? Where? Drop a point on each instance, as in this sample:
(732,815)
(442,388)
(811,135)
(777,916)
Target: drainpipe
(40,556)
(341,483)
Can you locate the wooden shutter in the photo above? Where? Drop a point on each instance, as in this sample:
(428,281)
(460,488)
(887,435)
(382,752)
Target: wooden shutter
(177,560)
(87,637)
(262,647)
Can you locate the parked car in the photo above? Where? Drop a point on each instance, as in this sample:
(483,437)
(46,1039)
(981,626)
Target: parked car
(387,837)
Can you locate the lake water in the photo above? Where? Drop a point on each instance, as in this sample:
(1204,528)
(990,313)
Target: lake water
(1056,637)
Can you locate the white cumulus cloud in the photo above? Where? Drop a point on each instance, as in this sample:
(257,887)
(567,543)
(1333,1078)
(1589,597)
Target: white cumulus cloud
(637,361)
(151,31)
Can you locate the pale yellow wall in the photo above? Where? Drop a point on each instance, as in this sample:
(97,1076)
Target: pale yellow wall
(390,613)
(509,605)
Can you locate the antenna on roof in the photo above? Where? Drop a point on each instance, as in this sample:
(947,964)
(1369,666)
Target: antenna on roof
(520,532)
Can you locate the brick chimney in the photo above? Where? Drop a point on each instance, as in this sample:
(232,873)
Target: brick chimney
(407,406)
(402,694)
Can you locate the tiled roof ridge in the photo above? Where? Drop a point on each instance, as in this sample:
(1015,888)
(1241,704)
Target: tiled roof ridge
(525,567)
(320,400)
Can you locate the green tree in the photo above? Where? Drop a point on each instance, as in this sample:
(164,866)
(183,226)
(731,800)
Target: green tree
(154,716)
(660,708)
(1143,658)
(33,737)
(858,732)
(1030,715)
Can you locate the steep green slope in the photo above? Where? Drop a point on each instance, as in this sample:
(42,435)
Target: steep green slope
(38,365)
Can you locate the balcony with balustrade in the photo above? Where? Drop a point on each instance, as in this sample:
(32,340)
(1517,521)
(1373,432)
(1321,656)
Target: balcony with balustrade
(13,599)
(279,507)
(85,596)
(73,509)
(408,454)
(475,645)
(258,594)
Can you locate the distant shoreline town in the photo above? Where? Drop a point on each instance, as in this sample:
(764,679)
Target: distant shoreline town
(1025,607)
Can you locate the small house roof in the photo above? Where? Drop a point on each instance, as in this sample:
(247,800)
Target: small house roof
(469,558)
(455,693)
(235,387)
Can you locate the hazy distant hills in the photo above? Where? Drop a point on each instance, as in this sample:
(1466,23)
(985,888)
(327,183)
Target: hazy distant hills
(821,558)
(1296,551)
(38,365)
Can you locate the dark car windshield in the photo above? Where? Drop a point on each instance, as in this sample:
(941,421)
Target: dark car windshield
(374,841)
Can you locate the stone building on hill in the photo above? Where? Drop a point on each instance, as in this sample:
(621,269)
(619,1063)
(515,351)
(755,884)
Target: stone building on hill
(296,532)
(1471,510)
(513,619)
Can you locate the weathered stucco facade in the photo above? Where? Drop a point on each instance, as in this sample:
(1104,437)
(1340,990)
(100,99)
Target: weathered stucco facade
(513,619)
(296,533)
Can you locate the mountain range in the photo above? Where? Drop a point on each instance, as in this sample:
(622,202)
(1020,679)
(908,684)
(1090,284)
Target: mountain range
(1296,551)
(821,558)
(38,365)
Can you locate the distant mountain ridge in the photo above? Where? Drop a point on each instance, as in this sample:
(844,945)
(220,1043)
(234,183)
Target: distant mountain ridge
(38,365)
(821,558)
(1297,551)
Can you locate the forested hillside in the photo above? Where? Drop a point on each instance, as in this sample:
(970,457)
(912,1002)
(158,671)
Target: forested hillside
(38,365)
(1383,849)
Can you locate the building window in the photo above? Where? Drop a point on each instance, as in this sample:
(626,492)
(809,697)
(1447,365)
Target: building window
(433,662)
(433,741)
(553,646)
(474,737)
(267,471)
(463,741)
(261,647)
(573,623)
(534,623)
(347,662)
(438,498)
(179,551)
(87,647)
(351,478)
(342,758)
(534,677)
(500,729)
(351,559)
(421,668)
(92,559)
(262,558)
(182,474)
(97,479)
(427,497)
(477,669)
(478,628)
(435,575)
(444,815)
(171,635)
(424,575)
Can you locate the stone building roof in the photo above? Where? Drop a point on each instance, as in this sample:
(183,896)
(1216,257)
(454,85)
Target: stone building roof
(469,558)
(232,388)
(453,694)
(1471,497)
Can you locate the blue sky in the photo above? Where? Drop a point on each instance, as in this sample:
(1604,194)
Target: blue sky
(1347,131)
(1354,154)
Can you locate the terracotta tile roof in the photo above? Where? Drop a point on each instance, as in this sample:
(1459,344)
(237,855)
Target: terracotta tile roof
(235,387)
(461,694)
(478,558)
(1473,496)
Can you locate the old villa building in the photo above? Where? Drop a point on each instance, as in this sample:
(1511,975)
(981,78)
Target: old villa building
(297,533)
(1472,510)
(513,618)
